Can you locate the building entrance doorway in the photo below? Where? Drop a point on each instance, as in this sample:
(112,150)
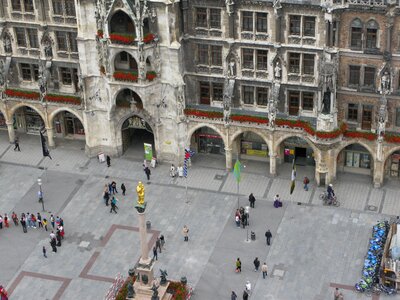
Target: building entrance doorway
(300,154)
(135,133)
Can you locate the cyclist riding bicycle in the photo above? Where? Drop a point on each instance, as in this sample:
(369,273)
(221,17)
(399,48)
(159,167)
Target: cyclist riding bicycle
(331,193)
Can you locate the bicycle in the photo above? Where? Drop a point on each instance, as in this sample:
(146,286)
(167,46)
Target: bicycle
(329,201)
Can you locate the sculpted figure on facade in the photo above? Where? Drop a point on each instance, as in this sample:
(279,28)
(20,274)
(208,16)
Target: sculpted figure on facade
(385,83)
(277,70)
(180,103)
(2,73)
(7,44)
(229,6)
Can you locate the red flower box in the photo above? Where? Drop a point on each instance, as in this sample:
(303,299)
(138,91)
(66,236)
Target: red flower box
(126,76)
(204,113)
(122,38)
(22,94)
(148,38)
(151,75)
(251,119)
(392,138)
(63,99)
(360,134)
(100,33)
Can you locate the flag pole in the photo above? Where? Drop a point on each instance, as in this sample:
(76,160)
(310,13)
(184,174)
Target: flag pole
(186,188)
(238,194)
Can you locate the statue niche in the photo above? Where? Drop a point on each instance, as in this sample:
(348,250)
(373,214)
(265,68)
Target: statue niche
(326,102)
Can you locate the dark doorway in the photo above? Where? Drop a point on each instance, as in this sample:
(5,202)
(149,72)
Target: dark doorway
(300,156)
(136,132)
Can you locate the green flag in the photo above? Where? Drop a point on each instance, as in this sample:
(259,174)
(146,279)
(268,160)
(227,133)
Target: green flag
(293,184)
(236,170)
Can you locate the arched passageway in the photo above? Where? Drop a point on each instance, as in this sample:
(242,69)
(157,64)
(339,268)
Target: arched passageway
(28,120)
(126,97)
(125,62)
(68,125)
(356,159)
(122,24)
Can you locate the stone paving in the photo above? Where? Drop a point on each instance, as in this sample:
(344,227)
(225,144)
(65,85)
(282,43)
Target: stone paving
(313,247)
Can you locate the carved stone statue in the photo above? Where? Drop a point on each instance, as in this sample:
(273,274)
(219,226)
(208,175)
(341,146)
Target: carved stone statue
(180,104)
(2,73)
(7,44)
(326,102)
(140,193)
(385,83)
(232,68)
(48,51)
(229,4)
(131,290)
(154,288)
(163,277)
(277,70)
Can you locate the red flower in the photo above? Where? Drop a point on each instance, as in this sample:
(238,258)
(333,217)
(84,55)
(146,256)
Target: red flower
(22,94)
(100,33)
(121,38)
(148,38)
(360,134)
(204,113)
(151,75)
(251,119)
(125,76)
(63,99)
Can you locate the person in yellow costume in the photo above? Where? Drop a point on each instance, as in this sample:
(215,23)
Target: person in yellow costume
(140,193)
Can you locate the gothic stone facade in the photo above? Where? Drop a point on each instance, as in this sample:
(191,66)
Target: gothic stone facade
(173,64)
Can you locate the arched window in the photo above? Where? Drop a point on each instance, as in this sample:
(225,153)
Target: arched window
(356,34)
(372,34)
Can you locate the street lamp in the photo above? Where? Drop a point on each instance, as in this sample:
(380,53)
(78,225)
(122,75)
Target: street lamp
(40,193)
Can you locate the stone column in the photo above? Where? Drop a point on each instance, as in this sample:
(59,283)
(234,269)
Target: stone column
(11,131)
(272,164)
(228,158)
(143,239)
(378,173)
(50,137)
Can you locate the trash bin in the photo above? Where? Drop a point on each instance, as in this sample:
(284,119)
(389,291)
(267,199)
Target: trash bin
(253,236)
(148,225)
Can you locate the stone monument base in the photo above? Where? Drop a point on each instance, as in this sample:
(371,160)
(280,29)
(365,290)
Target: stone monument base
(144,292)
(326,122)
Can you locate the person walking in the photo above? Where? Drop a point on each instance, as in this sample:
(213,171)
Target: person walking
(248,287)
(33,220)
(245,295)
(53,244)
(44,224)
(306,181)
(52,221)
(336,294)
(16,144)
(147,172)
(252,200)
(155,252)
(233,296)
(108,159)
(14,217)
(44,251)
(6,223)
(256,263)
(23,223)
(185,232)
(180,171)
(244,220)
(277,201)
(264,270)
(162,240)
(268,236)
(238,265)
(113,205)
(123,189)
(172,171)
(39,219)
(158,244)
(114,187)
(1,222)
(106,197)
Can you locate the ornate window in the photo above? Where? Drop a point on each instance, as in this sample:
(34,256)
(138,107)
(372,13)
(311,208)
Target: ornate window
(352,112)
(302,25)
(262,22)
(354,75)
(356,34)
(308,101)
(16,5)
(69,76)
(202,54)
(201,17)
(216,55)
(61,6)
(294,103)
(262,59)
(27,37)
(372,34)
(215,18)
(294,25)
(205,93)
(207,54)
(21,37)
(262,96)
(294,63)
(208,17)
(29,72)
(248,94)
(309,26)
(397,116)
(247,21)
(28,5)
(248,58)
(33,38)
(217,91)
(369,77)
(66,41)
(308,64)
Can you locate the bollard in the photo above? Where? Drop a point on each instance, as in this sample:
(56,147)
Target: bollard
(148,225)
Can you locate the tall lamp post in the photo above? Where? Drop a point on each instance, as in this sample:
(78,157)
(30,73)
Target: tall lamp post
(40,193)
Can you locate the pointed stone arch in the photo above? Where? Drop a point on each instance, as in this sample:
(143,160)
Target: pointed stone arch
(192,130)
(55,112)
(14,108)
(282,138)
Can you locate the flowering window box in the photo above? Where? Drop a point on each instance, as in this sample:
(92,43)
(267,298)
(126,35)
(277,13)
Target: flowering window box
(360,134)
(125,76)
(204,113)
(22,94)
(63,99)
(392,138)
(148,38)
(151,75)
(250,119)
(100,33)
(122,38)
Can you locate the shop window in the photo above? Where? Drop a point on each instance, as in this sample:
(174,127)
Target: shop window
(372,31)
(294,25)
(262,96)
(308,101)
(358,160)
(216,55)
(356,34)
(21,37)
(262,59)
(215,18)
(28,5)
(352,112)
(202,54)
(262,22)
(398,116)
(204,93)
(201,17)
(26,71)
(366,117)
(16,5)
(308,64)
(33,38)
(248,58)
(294,101)
(309,26)
(247,21)
(294,63)
(218,91)
(248,95)
(354,75)
(369,77)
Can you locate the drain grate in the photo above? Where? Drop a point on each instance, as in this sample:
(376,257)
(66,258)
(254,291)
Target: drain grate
(219,177)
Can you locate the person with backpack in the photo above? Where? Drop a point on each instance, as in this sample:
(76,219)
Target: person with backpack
(113,205)
(306,181)
(147,172)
